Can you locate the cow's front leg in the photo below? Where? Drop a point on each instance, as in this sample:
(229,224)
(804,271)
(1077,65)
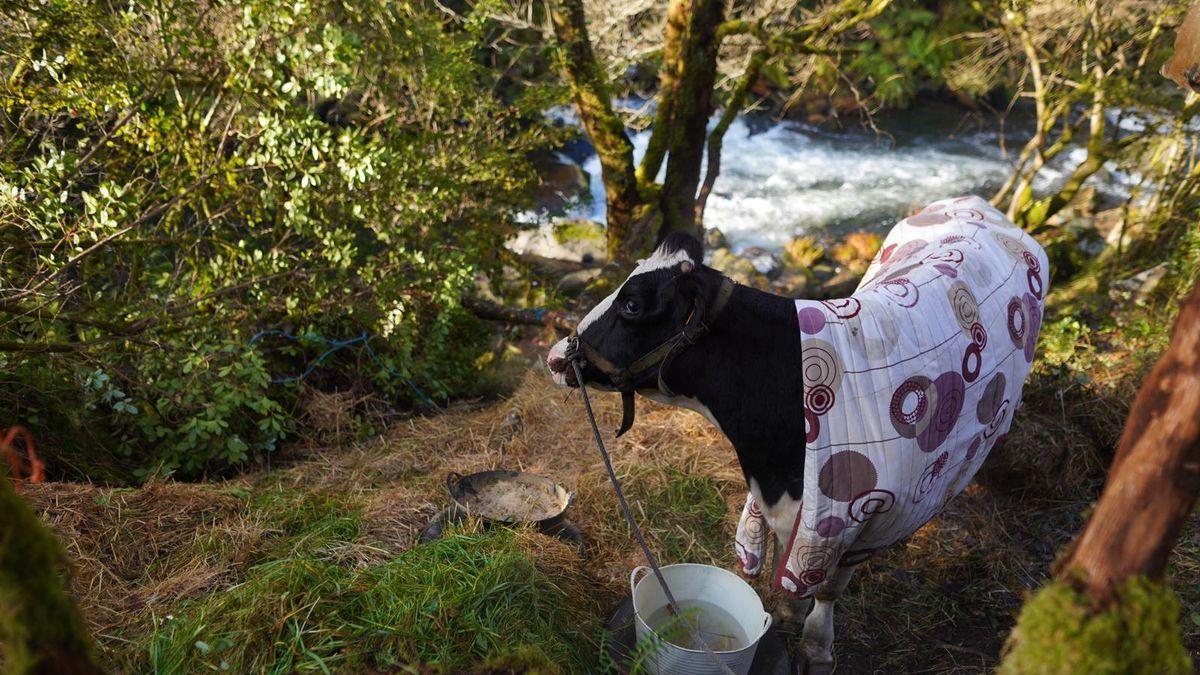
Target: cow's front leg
(790,611)
(816,642)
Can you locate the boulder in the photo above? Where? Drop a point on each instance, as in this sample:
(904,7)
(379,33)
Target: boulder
(765,262)
(561,182)
(576,282)
(580,241)
(738,268)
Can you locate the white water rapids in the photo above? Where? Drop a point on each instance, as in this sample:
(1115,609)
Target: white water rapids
(782,179)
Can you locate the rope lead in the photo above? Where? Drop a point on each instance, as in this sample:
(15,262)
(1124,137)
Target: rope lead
(637,531)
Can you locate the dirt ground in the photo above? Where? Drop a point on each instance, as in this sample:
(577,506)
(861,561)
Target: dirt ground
(942,602)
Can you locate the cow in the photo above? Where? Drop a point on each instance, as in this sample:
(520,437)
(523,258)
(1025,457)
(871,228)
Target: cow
(855,420)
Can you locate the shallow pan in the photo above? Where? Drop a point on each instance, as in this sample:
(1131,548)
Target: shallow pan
(510,497)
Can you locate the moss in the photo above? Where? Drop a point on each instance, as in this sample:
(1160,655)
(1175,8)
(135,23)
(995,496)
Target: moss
(577,230)
(40,627)
(1137,633)
(524,659)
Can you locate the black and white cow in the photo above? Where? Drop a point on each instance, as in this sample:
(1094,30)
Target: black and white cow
(854,420)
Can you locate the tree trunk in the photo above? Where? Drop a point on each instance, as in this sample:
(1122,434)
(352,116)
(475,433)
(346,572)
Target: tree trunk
(695,73)
(1155,475)
(589,86)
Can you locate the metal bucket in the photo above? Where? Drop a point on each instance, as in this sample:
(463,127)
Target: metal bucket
(726,610)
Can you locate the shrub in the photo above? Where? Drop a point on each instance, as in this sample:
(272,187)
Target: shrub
(176,177)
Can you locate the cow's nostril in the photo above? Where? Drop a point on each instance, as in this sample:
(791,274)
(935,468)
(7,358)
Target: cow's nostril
(557,364)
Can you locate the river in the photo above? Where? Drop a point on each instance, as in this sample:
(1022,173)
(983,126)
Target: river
(781,179)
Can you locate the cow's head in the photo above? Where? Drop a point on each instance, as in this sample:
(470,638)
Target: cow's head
(649,308)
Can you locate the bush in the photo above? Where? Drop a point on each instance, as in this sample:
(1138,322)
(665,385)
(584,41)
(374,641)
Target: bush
(176,177)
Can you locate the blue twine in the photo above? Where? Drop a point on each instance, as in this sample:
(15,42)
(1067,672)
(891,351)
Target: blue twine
(334,346)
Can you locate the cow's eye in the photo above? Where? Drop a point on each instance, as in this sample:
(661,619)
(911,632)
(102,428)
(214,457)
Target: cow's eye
(631,307)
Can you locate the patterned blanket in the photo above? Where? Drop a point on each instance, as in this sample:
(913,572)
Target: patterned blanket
(909,383)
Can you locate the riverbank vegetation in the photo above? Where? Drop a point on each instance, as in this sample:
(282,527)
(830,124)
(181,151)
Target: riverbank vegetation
(245,249)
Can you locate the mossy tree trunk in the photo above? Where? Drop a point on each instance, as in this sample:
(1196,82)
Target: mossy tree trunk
(1155,476)
(1107,609)
(41,630)
(639,208)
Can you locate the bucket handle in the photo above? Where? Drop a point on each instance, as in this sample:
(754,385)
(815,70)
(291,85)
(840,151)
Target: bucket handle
(767,621)
(633,580)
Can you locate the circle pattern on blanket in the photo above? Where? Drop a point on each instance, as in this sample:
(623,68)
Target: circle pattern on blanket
(963,304)
(951,392)
(910,405)
(901,291)
(1018,322)
(812,320)
(1034,280)
(972,361)
(997,422)
(978,335)
(1032,261)
(819,399)
(993,397)
(973,448)
(908,248)
(870,503)
(812,426)
(820,365)
(948,255)
(972,216)
(875,336)
(929,477)
(846,474)
(1011,245)
(830,526)
(811,578)
(927,219)
(843,308)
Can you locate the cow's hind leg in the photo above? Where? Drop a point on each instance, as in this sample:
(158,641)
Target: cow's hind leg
(816,643)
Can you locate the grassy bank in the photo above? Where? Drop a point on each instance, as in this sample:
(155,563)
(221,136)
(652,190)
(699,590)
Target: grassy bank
(312,565)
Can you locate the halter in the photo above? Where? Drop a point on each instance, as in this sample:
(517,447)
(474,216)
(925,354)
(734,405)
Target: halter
(624,378)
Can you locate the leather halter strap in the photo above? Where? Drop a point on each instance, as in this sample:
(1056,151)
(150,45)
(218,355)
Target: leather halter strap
(695,327)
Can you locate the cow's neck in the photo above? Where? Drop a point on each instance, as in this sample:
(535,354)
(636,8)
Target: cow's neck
(745,375)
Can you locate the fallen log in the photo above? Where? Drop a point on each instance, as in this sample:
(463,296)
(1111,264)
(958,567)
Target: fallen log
(490,311)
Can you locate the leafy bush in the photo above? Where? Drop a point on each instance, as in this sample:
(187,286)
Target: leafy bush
(176,177)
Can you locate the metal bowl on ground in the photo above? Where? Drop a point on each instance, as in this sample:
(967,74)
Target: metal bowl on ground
(510,497)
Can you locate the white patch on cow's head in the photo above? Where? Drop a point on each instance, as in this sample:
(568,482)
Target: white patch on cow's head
(659,260)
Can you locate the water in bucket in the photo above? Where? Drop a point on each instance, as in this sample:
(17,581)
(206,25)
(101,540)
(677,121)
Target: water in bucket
(718,627)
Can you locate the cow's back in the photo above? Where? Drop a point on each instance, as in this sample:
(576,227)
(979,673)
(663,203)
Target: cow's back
(910,381)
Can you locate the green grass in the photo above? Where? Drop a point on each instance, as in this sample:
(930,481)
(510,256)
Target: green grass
(466,600)
(683,516)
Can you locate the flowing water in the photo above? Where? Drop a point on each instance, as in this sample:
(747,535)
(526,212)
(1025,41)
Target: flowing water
(717,626)
(781,179)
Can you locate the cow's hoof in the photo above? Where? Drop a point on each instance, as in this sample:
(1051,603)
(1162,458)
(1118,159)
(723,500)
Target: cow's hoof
(806,667)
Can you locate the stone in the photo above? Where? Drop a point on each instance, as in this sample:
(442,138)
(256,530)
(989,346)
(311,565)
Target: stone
(574,240)
(561,182)
(576,282)
(714,239)
(738,268)
(765,262)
